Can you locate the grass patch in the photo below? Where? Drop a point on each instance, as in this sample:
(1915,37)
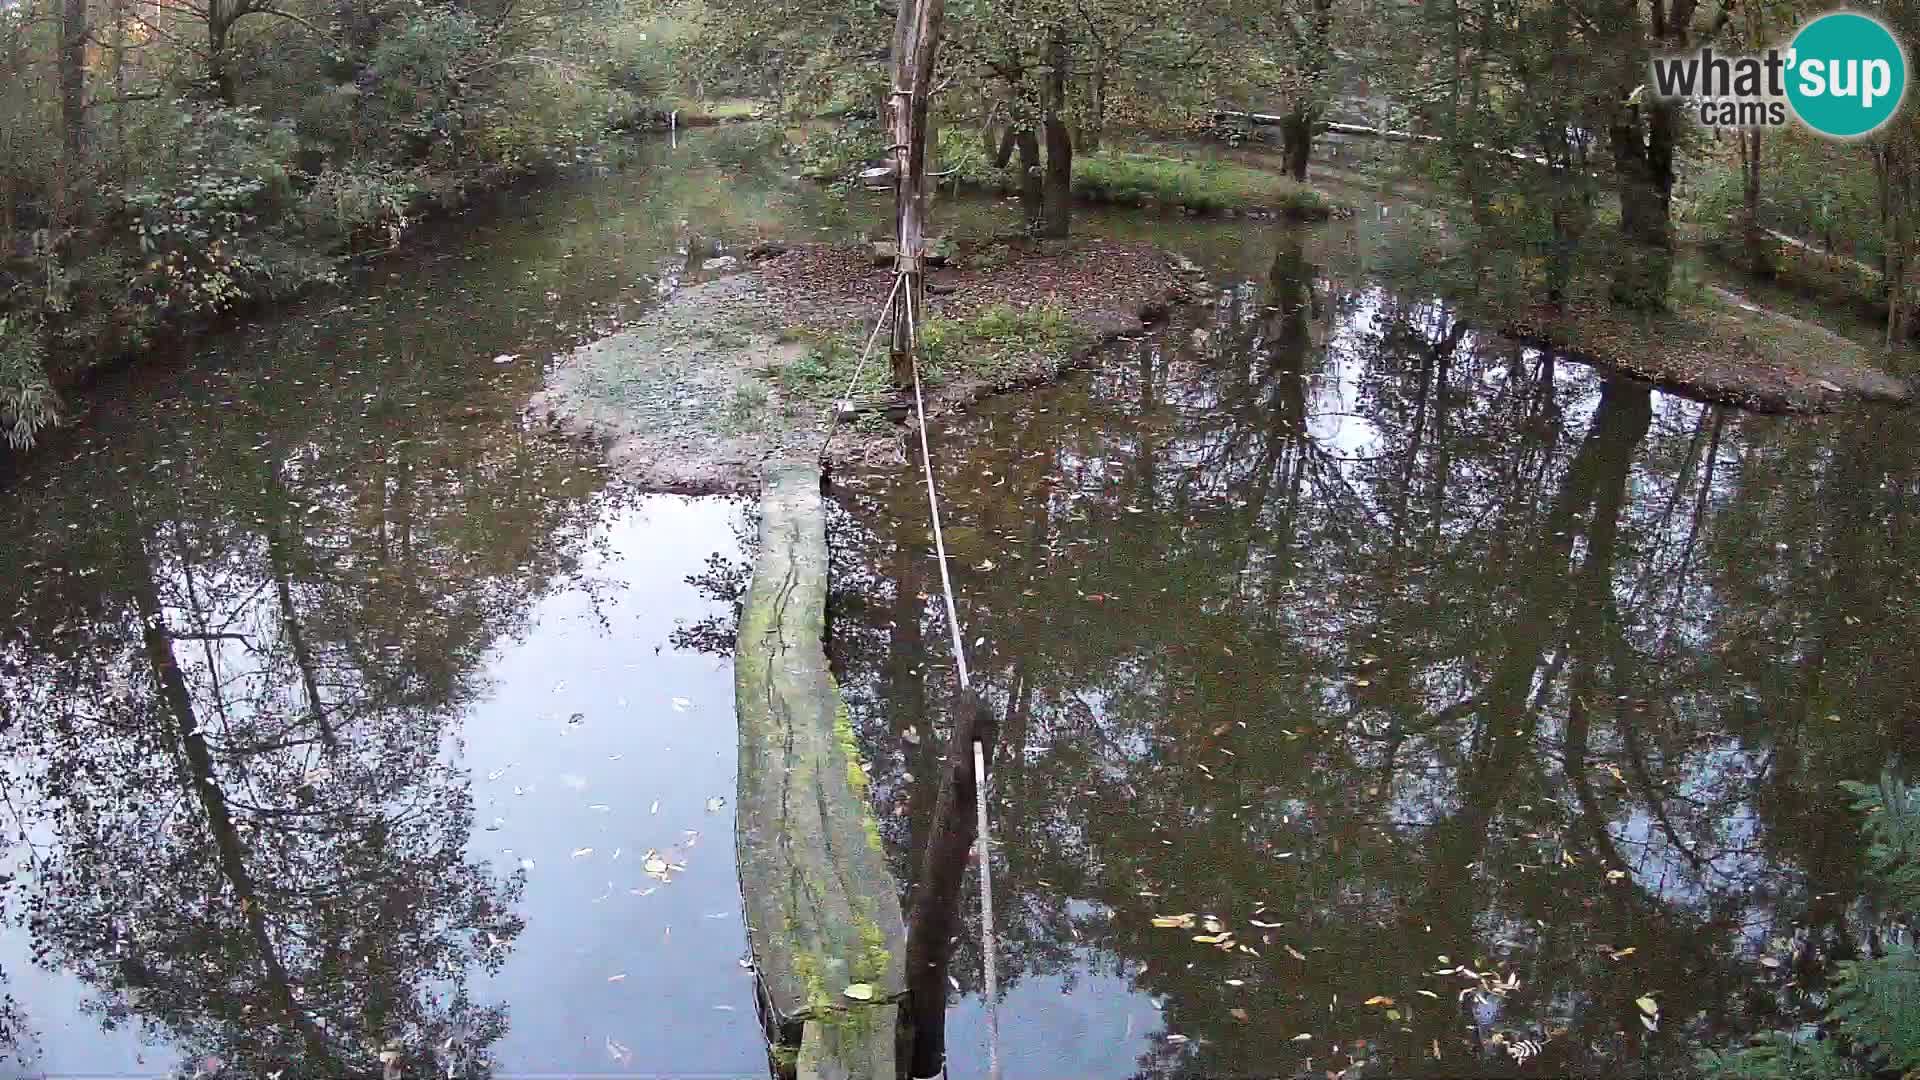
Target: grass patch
(1002,342)
(819,375)
(1205,186)
(748,402)
(724,110)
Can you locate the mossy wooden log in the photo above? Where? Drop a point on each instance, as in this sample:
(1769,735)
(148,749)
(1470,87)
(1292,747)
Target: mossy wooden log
(823,912)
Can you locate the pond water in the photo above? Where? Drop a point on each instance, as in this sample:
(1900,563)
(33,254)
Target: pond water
(342,718)
(1475,695)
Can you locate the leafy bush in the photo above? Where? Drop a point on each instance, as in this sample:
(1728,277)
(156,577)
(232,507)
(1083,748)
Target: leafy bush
(202,218)
(1872,1023)
(1000,340)
(27,401)
(960,153)
(838,152)
(360,202)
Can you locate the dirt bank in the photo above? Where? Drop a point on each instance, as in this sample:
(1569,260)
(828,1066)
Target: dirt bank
(742,365)
(1723,349)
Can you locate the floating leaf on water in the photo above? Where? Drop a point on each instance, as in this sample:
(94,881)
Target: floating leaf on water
(859,991)
(1428,993)
(619,1053)
(1169,922)
(1648,1005)
(1212,924)
(577,783)
(714,804)
(1265,925)
(1770,961)
(655,808)
(599,807)
(1236,982)
(1296,953)
(1626,952)
(1379,999)
(526,864)
(1176,1038)
(1650,1023)
(622,977)
(1211,939)
(582,852)
(1302,1037)
(681,704)
(1393,1014)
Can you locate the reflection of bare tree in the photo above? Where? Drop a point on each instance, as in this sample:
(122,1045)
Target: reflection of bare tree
(244,679)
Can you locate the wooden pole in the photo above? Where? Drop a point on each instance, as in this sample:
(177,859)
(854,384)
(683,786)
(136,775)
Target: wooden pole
(916,40)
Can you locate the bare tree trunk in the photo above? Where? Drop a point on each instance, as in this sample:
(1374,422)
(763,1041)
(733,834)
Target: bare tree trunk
(1059,177)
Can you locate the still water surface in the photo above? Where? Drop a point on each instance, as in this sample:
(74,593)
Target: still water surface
(343,717)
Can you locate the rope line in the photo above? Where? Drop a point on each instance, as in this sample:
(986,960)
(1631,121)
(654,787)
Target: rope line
(933,499)
(988,947)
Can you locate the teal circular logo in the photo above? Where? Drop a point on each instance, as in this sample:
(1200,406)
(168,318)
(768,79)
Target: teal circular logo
(1846,74)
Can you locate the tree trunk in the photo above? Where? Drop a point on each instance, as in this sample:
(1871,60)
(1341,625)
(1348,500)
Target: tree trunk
(1753,236)
(219,74)
(935,920)
(1032,197)
(70,200)
(916,38)
(1096,100)
(1297,133)
(1059,178)
(1643,168)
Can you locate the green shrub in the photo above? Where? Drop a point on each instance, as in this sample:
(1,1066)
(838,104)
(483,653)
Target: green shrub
(1872,1023)
(838,152)
(27,401)
(1000,341)
(961,155)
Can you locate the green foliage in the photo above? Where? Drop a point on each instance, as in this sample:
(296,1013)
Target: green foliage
(1872,1023)
(999,341)
(27,401)
(962,156)
(839,151)
(359,201)
(1780,1055)
(200,218)
(176,195)
(1203,185)
(1892,830)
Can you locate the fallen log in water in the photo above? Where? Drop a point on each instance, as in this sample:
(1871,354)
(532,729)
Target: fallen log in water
(823,912)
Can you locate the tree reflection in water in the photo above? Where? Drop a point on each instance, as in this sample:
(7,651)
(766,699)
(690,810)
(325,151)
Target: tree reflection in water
(1384,640)
(227,695)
